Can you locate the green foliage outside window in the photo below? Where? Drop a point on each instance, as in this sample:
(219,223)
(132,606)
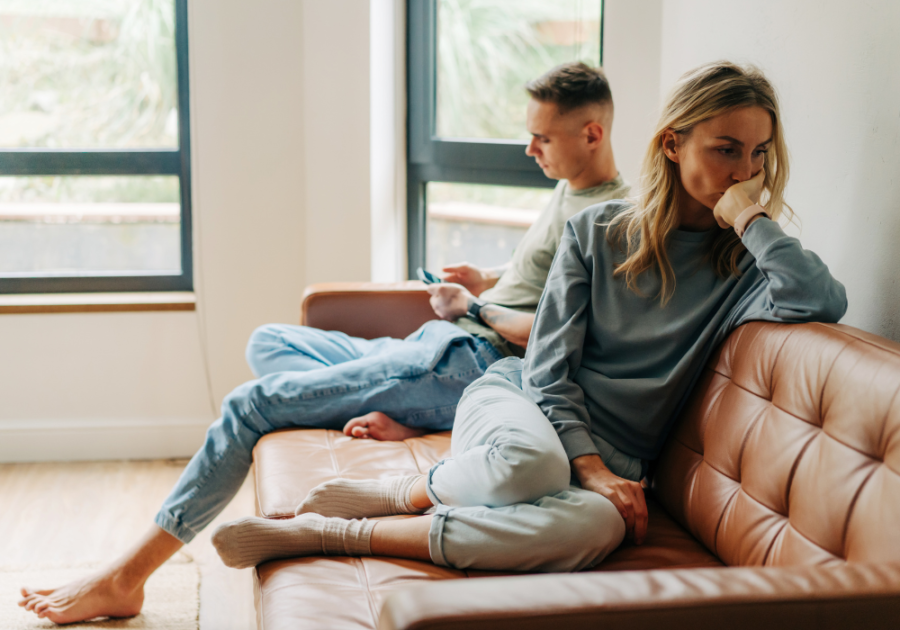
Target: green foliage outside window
(88,74)
(489,49)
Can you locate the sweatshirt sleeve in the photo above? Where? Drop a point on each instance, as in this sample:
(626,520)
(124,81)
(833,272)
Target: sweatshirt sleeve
(556,344)
(796,287)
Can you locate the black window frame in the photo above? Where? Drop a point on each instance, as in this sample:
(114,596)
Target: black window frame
(431,158)
(118,162)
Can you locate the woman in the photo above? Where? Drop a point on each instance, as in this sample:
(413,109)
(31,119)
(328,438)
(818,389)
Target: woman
(638,296)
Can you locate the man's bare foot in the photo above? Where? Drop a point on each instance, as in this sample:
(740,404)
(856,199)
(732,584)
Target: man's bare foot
(100,595)
(377,426)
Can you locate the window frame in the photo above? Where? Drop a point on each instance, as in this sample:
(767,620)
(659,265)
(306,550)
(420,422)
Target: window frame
(431,158)
(49,162)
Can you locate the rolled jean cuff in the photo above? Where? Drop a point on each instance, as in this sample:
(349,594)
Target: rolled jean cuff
(435,499)
(436,536)
(169,525)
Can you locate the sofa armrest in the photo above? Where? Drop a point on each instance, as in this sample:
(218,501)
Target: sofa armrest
(367,309)
(825,598)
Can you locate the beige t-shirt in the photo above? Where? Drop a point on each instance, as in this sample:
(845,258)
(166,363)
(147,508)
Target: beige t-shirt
(521,285)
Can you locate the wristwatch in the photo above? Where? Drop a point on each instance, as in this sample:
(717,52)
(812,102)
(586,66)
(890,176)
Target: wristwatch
(474,310)
(740,223)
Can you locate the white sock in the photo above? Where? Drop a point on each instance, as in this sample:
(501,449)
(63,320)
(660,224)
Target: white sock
(349,498)
(250,541)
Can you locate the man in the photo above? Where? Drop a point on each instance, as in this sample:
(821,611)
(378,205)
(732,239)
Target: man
(569,117)
(386,388)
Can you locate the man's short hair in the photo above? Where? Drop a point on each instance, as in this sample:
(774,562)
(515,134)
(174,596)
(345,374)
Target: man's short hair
(570,86)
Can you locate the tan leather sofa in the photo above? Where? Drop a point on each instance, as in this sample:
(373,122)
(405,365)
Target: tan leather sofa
(775,503)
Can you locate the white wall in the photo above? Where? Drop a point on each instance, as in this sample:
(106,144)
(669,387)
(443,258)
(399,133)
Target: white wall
(387,152)
(335,58)
(632,42)
(836,66)
(280,131)
(81,386)
(249,130)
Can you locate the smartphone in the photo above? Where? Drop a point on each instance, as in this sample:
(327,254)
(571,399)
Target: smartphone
(427,277)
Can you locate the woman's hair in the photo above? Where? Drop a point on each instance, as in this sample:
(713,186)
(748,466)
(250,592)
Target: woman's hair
(642,230)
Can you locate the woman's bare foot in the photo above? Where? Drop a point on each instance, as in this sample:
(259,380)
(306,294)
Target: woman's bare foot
(101,595)
(377,426)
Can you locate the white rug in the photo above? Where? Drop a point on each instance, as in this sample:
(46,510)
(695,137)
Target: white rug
(171,601)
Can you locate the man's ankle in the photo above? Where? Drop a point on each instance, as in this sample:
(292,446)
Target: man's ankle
(125,579)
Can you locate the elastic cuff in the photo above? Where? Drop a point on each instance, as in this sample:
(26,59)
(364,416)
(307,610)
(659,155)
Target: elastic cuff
(169,525)
(436,536)
(578,442)
(760,234)
(435,500)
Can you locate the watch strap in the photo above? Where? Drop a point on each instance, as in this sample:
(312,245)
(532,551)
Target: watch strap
(474,310)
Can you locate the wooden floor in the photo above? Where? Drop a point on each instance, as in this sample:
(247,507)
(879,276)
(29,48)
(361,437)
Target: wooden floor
(54,514)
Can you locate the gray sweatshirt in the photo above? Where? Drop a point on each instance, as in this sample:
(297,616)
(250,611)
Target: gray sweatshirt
(521,285)
(604,362)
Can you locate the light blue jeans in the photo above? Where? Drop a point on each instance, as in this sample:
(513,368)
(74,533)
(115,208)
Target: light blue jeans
(313,378)
(504,499)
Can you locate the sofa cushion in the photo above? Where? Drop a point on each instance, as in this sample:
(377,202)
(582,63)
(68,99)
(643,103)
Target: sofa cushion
(333,593)
(288,464)
(788,452)
(348,592)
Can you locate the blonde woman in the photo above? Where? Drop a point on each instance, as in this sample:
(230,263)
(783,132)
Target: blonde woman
(638,296)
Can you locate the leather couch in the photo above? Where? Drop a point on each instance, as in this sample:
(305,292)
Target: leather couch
(776,501)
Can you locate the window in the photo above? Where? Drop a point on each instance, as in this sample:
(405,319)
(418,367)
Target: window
(94,146)
(471,190)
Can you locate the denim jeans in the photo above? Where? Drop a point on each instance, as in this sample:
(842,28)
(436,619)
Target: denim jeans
(504,500)
(318,379)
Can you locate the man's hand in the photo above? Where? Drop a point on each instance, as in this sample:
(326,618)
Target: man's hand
(737,199)
(627,496)
(449,301)
(471,277)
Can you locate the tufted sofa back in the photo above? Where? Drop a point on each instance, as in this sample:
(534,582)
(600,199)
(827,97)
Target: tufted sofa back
(788,452)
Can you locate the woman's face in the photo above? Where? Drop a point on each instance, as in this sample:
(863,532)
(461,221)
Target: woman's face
(719,153)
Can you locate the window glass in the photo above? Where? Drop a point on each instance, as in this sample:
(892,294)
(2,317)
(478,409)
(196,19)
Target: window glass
(487,50)
(70,226)
(477,223)
(88,74)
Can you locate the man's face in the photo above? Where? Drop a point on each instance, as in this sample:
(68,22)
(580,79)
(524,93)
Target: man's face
(559,143)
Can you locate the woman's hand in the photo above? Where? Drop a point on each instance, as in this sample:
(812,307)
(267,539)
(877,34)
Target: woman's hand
(737,199)
(449,301)
(471,277)
(627,496)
